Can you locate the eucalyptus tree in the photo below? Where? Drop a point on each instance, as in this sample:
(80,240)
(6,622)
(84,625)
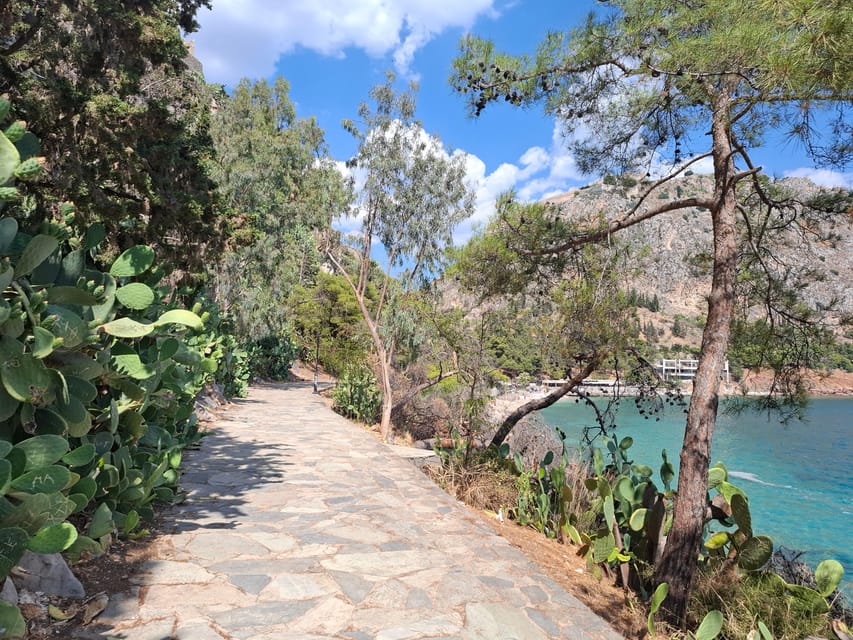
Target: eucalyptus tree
(413,195)
(122,113)
(280,189)
(656,82)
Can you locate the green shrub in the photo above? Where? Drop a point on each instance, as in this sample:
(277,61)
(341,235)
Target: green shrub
(356,395)
(272,356)
(98,380)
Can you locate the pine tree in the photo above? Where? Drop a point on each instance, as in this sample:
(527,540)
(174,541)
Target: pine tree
(648,78)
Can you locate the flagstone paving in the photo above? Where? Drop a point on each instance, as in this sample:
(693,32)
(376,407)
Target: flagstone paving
(299,525)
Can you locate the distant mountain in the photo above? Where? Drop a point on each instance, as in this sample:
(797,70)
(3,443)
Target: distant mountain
(670,260)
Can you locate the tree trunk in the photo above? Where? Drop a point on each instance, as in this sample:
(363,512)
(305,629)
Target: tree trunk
(680,557)
(540,403)
(387,400)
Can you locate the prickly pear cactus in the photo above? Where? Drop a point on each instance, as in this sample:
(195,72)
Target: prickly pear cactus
(97,380)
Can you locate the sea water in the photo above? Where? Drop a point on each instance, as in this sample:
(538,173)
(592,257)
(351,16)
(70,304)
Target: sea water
(798,475)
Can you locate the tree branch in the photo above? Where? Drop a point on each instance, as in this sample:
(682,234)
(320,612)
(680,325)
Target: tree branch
(423,387)
(618,224)
(540,403)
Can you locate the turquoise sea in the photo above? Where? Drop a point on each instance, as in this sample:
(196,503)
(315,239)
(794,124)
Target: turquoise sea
(798,476)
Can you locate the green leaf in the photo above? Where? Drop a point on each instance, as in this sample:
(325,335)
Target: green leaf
(755,553)
(69,326)
(50,422)
(740,512)
(13,543)
(71,295)
(37,251)
(46,273)
(8,404)
(717,540)
(6,277)
(94,235)
(73,265)
(27,379)
(28,146)
(131,521)
(80,456)
(102,522)
(132,262)
(86,486)
(83,545)
(609,514)
(130,364)
(624,490)
(828,576)
(716,476)
(184,317)
(42,451)
(127,328)
(81,389)
(601,548)
(10,158)
(642,470)
(5,476)
(42,343)
(809,597)
(710,626)
(103,312)
(8,231)
(78,417)
(169,347)
(135,295)
(12,623)
(729,490)
(658,597)
(53,539)
(49,479)
(40,510)
(638,520)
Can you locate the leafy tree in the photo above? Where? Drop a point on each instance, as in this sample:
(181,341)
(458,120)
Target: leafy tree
(122,113)
(413,196)
(646,79)
(328,319)
(580,318)
(276,181)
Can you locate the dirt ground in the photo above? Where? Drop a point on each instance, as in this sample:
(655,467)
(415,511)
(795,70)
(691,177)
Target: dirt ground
(51,618)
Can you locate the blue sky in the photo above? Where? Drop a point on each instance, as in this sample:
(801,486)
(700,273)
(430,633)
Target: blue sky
(333,51)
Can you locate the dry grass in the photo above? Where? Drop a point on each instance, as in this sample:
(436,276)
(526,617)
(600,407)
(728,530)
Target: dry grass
(577,471)
(482,484)
(746,599)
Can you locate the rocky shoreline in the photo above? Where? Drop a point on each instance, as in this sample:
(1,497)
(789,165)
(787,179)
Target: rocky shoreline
(821,385)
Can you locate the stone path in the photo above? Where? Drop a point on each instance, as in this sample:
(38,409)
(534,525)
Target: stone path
(299,525)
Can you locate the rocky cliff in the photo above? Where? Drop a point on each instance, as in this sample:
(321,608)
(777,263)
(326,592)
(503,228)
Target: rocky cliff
(670,254)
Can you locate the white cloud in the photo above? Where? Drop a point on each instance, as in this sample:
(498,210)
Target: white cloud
(245,38)
(823,177)
(539,173)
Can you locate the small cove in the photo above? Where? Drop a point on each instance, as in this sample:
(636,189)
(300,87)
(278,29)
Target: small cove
(798,476)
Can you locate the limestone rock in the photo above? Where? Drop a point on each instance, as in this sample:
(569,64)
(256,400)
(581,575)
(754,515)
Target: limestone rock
(48,573)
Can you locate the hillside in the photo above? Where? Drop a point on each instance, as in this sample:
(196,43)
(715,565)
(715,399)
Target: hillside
(670,264)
